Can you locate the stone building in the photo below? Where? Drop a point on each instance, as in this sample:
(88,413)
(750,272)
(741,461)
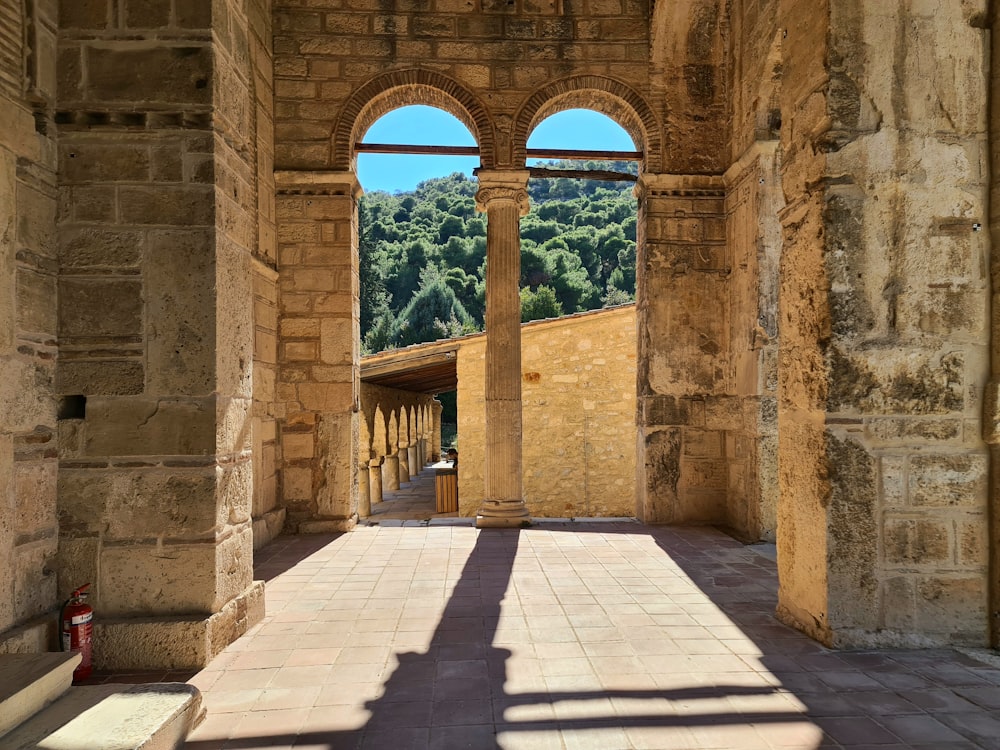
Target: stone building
(179,300)
(578,424)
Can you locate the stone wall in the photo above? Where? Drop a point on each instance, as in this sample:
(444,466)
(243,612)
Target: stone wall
(884,346)
(158,254)
(578,395)
(327,52)
(28,268)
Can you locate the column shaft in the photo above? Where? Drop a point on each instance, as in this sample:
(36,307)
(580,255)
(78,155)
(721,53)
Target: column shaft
(505,200)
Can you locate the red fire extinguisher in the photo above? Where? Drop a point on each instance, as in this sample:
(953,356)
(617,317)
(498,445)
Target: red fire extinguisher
(76,625)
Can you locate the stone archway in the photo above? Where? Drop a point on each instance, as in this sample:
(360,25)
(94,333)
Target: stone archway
(609,97)
(403,88)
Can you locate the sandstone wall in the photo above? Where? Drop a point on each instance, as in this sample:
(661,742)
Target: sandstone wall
(28,267)
(753,232)
(162,106)
(578,396)
(992,406)
(884,346)
(502,52)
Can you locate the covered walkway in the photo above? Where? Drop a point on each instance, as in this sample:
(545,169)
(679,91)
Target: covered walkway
(563,635)
(412,502)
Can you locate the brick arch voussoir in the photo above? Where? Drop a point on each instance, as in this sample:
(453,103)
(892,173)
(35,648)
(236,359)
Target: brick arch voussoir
(613,98)
(401,88)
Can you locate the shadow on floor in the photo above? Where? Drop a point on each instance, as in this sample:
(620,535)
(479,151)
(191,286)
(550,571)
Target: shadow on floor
(622,636)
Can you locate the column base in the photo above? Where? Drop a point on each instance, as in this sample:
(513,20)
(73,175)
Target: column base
(507,515)
(328,525)
(493,522)
(175,642)
(267,527)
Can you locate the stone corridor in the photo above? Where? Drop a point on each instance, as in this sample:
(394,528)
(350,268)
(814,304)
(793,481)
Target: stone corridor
(563,635)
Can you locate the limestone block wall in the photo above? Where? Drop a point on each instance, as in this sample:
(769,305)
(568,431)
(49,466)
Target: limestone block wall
(884,348)
(578,397)
(28,267)
(753,199)
(503,51)
(159,252)
(991,417)
(686,405)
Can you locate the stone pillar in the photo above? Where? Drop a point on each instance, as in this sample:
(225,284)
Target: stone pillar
(504,199)
(415,461)
(404,463)
(682,277)
(375,481)
(364,491)
(160,235)
(435,448)
(390,472)
(318,382)
(29,263)
(884,347)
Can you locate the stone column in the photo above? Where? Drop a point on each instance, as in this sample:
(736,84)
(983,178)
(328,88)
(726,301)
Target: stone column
(318,382)
(375,481)
(390,472)
(435,448)
(504,199)
(404,463)
(415,463)
(364,491)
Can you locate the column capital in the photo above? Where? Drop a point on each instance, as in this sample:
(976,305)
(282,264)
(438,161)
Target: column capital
(503,185)
(294,182)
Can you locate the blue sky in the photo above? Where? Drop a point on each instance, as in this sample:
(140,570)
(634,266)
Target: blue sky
(427,126)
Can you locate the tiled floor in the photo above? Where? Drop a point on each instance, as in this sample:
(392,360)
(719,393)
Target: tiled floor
(563,635)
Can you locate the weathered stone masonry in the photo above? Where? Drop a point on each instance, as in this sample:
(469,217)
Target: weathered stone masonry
(178,328)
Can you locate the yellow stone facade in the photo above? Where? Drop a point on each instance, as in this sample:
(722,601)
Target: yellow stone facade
(578,395)
(817,347)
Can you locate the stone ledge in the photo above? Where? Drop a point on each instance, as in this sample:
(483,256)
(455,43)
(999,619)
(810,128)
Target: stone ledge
(332,526)
(113,717)
(29,682)
(33,637)
(175,642)
(267,527)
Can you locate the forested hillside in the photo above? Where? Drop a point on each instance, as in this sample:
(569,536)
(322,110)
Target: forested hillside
(423,255)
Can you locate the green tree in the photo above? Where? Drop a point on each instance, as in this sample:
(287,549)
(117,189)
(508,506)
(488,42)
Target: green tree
(433,313)
(539,304)
(374,296)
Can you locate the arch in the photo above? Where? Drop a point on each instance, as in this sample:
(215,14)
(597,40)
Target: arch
(605,95)
(401,88)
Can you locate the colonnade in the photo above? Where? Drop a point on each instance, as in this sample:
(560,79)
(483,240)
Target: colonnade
(400,434)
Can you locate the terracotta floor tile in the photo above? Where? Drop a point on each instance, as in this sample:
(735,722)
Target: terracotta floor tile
(622,636)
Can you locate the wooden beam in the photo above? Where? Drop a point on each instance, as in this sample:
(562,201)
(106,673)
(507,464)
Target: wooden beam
(398,148)
(583,174)
(583,154)
(533,153)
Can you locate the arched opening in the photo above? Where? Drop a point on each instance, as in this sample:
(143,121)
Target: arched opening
(577,272)
(422,247)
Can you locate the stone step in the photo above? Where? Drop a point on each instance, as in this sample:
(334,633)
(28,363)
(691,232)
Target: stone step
(157,716)
(29,682)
